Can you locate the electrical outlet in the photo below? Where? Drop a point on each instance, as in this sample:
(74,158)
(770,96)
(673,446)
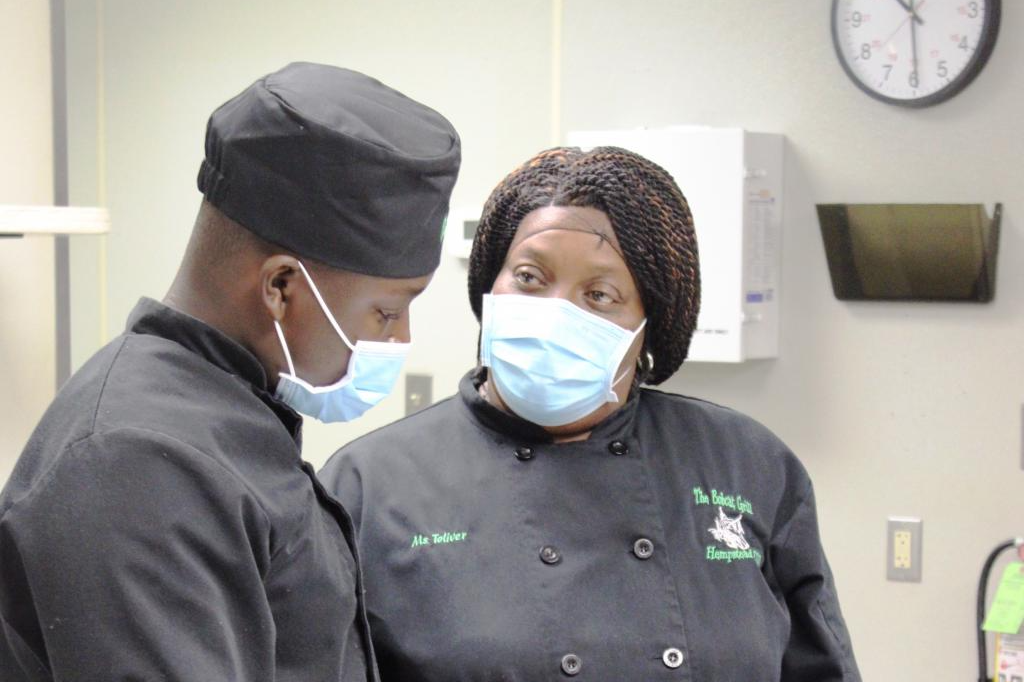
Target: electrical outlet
(419,392)
(901,549)
(903,553)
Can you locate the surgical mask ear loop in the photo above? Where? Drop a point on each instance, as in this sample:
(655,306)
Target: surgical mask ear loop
(635,334)
(323,307)
(284,346)
(621,377)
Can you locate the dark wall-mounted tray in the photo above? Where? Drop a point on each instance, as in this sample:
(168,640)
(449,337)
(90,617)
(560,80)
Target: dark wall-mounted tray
(911,252)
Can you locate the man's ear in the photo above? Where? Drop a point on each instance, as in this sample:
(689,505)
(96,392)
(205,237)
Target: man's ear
(278,279)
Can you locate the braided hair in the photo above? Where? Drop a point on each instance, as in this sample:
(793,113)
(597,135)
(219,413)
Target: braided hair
(652,222)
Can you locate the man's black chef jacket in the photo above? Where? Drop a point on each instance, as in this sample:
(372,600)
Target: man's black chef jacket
(679,542)
(161,525)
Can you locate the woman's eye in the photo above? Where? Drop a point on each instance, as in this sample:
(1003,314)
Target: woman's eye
(389,316)
(600,296)
(525,277)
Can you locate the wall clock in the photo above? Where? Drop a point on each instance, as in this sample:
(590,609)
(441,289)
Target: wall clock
(914,53)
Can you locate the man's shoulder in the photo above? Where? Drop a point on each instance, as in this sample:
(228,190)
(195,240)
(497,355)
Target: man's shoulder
(128,381)
(140,393)
(150,371)
(110,469)
(68,420)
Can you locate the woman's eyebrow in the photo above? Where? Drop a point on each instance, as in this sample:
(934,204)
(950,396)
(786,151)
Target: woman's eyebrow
(601,235)
(594,271)
(531,252)
(526,250)
(602,269)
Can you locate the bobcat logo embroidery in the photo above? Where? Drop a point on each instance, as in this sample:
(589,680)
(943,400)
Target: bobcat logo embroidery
(729,531)
(731,537)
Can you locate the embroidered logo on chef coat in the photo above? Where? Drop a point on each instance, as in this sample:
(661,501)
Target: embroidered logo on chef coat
(728,531)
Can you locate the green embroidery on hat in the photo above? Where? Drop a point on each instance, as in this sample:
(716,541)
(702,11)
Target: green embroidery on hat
(432,539)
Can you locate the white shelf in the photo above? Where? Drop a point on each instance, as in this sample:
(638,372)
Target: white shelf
(53,220)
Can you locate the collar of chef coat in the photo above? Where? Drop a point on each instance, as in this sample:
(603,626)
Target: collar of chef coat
(156,319)
(619,424)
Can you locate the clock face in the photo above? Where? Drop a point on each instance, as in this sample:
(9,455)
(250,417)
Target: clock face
(914,52)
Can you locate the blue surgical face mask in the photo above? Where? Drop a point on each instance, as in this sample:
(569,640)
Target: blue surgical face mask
(373,369)
(551,362)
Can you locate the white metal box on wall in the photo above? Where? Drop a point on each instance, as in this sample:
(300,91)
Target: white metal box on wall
(732,180)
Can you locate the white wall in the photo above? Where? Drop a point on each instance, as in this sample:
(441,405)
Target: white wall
(896,409)
(27,345)
(905,409)
(86,176)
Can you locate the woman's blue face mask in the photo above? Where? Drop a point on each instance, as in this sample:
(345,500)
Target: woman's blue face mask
(551,362)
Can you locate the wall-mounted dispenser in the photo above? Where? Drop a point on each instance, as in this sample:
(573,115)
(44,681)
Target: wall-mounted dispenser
(732,180)
(911,252)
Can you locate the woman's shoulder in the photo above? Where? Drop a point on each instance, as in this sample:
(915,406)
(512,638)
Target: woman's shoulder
(702,412)
(720,432)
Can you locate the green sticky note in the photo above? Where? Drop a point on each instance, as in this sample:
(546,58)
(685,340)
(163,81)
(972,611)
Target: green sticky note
(1007,611)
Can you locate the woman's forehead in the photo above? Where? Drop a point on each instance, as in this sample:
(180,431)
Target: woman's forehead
(579,219)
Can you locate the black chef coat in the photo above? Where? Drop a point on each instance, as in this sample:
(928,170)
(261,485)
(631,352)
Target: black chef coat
(679,542)
(161,525)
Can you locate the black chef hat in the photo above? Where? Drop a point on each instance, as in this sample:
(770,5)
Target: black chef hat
(335,166)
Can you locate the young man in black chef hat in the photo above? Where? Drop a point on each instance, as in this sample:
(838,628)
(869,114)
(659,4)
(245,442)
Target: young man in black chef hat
(160,523)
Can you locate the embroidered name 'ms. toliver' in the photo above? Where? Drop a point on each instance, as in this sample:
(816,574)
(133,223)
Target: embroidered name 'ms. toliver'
(438,539)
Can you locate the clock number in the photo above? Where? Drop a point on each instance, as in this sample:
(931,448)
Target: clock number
(913,79)
(856,19)
(942,71)
(972,10)
(888,71)
(963,44)
(865,50)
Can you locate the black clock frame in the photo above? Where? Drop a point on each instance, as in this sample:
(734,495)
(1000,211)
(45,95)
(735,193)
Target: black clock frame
(987,43)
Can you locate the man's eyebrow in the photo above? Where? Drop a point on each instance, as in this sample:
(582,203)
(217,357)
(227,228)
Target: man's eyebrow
(407,290)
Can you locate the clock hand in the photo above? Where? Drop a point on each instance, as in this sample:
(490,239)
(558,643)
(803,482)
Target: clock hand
(915,9)
(896,30)
(910,8)
(903,23)
(913,45)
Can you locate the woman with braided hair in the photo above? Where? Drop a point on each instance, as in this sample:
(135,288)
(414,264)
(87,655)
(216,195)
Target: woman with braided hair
(558,518)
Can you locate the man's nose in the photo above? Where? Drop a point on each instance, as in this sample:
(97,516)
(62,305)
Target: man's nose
(401,331)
